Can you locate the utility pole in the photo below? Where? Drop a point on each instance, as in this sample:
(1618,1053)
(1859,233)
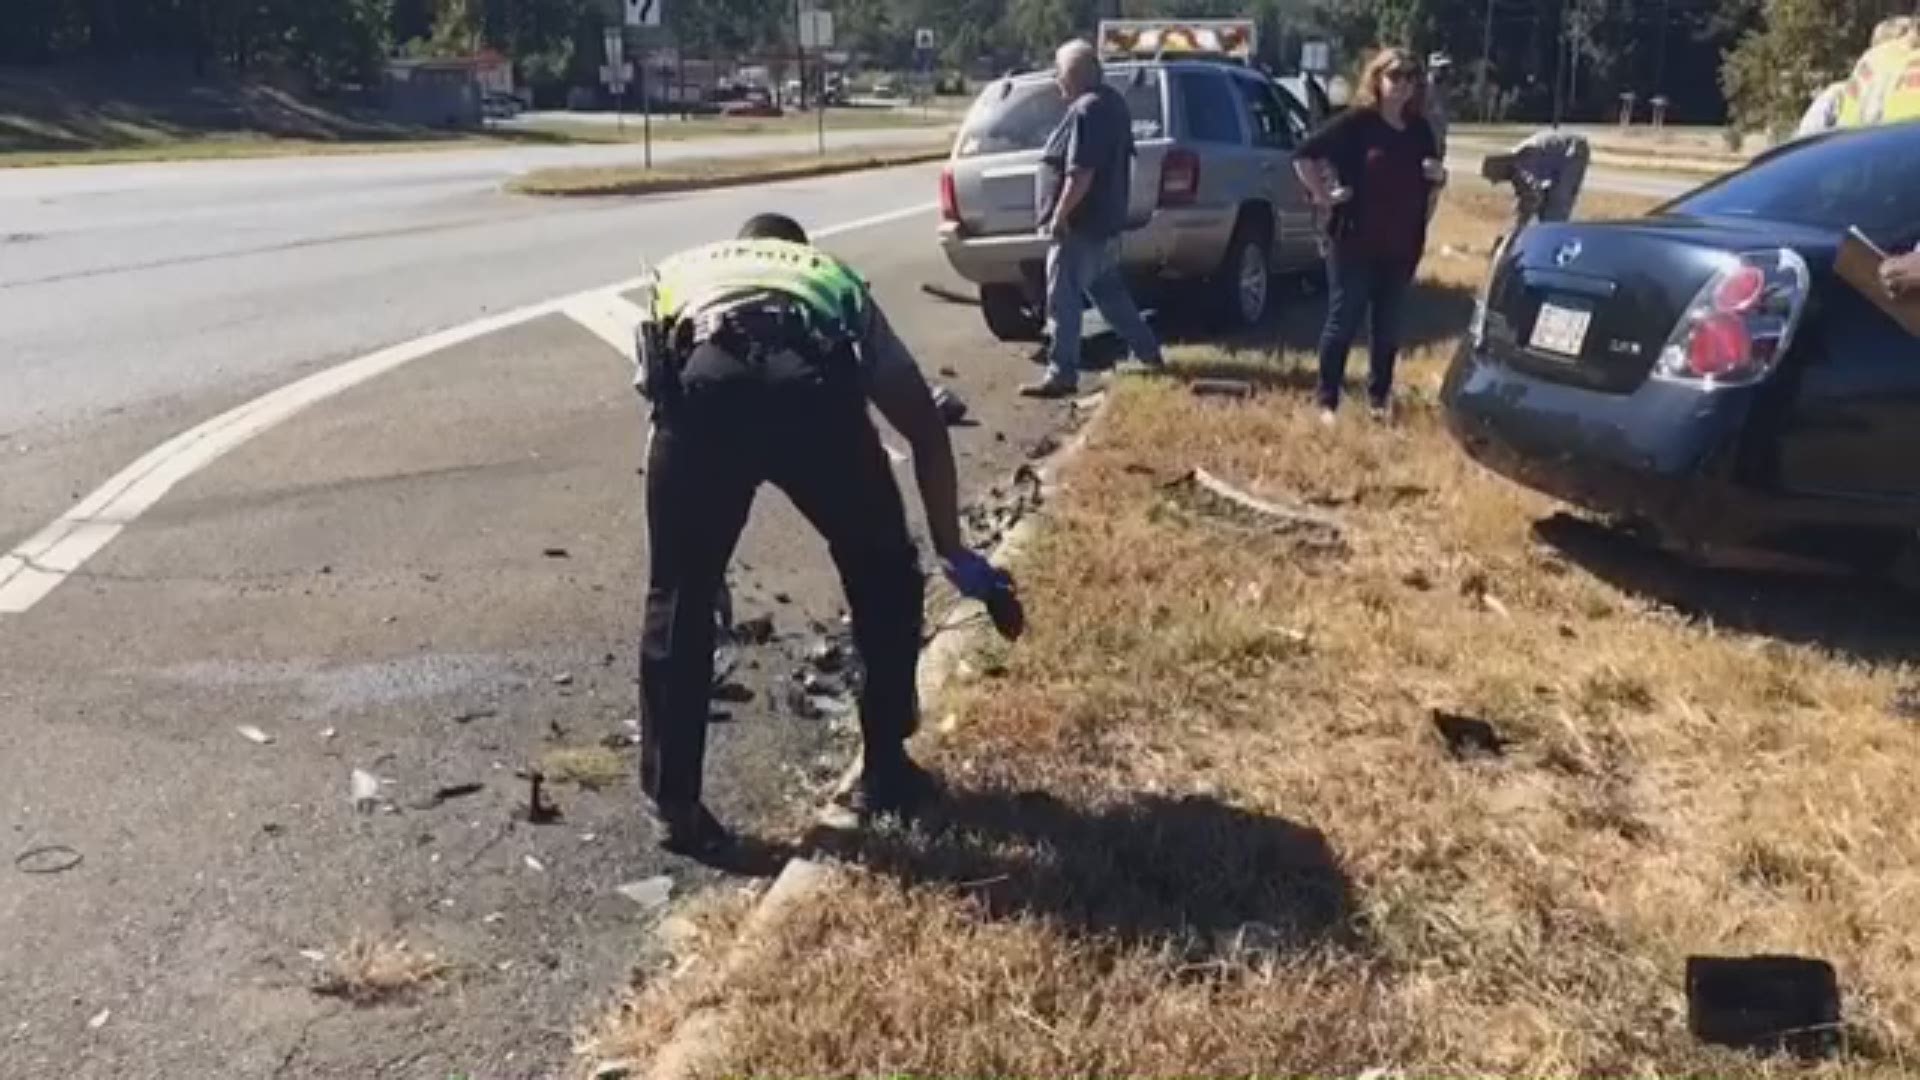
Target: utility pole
(1486,60)
(1559,62)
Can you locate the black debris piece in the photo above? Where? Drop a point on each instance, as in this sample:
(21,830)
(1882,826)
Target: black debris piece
(1765,1003)
(1468,736)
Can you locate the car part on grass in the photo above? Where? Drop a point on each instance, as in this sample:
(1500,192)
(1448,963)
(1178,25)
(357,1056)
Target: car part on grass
(1468,736)
(1220,501)
(1765,1003)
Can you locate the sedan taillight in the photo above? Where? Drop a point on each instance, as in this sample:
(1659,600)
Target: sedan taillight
(1740,323)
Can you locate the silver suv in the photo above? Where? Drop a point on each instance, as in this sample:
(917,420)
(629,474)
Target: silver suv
(1215,206)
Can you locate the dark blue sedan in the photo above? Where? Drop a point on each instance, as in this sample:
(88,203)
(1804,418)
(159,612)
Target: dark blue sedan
(1702,372)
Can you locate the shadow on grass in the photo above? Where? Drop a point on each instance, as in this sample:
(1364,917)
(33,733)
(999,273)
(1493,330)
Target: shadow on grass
(1434,313)
(1859,617)
(1208,879)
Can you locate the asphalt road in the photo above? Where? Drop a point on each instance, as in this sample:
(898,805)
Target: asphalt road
(434,577)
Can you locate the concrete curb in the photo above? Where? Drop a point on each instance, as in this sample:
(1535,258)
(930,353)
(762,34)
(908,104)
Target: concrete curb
(698,1039)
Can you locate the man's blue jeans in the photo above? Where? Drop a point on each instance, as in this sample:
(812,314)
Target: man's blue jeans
(1359,286)
(1078,269)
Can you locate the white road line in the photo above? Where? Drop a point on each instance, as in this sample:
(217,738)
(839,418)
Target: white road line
(612,318)
(39,564)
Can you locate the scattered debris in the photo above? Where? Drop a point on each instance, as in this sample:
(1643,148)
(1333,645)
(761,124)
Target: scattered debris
(557,553)
(827,656)
(1222,501)
(313,956)
(539,810)
(613,1070)
(457,791)
(782,598)
(1467,736)
(755,631)
(1418,579)
(1238,389)
(494,919)
(534,864)
(1044,447)
(47,859)
(949,373)
(328,734)
(1765,1003)
(732,693)
(652,893)
(471,715)
(953,408)
(368,972)
(950,295)
(100,1020)
(1906,703)
(565,678)
(365,790)
(1477,589)
(254,734)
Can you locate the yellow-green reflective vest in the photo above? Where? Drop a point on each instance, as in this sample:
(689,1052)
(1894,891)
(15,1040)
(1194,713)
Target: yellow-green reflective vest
(689,281)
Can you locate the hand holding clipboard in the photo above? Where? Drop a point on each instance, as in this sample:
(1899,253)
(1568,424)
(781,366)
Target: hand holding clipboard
(1893,284)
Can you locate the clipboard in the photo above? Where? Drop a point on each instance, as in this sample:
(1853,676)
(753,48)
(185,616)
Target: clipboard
(1858,264)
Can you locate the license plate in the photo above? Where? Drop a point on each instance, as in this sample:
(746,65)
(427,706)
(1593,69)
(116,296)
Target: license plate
(1561,330)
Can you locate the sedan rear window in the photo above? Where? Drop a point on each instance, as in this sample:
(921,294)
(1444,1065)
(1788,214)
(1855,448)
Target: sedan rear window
(1019,115)
(1865,179)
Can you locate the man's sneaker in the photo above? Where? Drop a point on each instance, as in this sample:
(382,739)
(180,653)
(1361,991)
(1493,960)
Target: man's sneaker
(1327,417)
(1381,411)
(690,829)
(902,790)
(1051,388)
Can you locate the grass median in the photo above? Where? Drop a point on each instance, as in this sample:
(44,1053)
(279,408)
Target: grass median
(701,173)
(1202,822)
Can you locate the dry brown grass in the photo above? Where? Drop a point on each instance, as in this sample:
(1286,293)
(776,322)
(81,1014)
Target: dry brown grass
(373,971)
(594,768)
(702,173)
(1204,825)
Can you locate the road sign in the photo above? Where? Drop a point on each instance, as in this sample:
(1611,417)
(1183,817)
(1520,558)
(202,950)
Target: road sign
(614,44)
(1316,57)
(616,78)
(816,29)
(644,12)
(923,39)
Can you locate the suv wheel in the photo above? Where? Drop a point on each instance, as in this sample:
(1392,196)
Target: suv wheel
(1243,286)
(1008,314)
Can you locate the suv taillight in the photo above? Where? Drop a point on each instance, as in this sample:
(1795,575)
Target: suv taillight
(1740,323)
(1179,178)
(949,198)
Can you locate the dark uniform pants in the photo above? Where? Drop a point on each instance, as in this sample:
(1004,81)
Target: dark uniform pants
(710,454)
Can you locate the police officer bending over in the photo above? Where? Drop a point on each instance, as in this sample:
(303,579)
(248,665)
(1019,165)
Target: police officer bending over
(759,356)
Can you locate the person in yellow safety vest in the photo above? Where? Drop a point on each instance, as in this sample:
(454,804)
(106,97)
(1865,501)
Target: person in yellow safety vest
(759,356)
(1877,92)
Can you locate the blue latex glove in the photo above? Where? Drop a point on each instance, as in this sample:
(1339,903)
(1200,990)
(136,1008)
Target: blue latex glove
(975,577)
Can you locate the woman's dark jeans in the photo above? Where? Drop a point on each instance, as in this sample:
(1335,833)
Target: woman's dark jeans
(1359,285)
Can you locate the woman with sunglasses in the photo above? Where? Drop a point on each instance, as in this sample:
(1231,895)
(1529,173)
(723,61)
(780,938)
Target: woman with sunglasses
(1372,173)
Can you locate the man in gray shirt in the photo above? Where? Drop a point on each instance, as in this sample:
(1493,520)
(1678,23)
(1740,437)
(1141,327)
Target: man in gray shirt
(1083,191)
